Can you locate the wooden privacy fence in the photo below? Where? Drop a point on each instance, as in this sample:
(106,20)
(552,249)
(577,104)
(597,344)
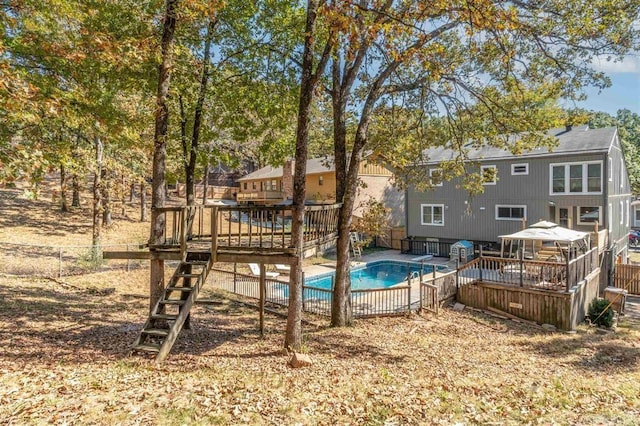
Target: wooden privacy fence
(627,277)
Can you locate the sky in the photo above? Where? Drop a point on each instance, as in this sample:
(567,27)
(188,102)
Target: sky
(624,91)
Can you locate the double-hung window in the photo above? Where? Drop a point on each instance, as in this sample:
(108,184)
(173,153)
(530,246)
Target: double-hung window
(432,214)
(576,178)
(509,212)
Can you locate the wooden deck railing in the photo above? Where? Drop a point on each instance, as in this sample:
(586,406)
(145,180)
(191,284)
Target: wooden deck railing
(530,273)
(260,228)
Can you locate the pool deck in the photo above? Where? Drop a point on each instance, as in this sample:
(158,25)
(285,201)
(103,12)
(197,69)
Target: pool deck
(313,270)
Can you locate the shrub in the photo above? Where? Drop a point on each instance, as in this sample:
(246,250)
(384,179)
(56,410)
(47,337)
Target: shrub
(596,315)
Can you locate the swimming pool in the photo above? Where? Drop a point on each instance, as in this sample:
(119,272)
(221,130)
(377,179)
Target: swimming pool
(379,274)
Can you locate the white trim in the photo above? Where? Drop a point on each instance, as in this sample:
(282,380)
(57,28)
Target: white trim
(621,212)
(610,218)
(628,214)
(621,173)
(610,169)
(589,223)
(431,174)
(495,175)
(636,217)
(422,207)
(498,206)
(514,173)
(567,182)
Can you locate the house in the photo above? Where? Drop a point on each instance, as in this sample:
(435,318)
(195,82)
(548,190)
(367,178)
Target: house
(635,214)
(274,185)
(582,182)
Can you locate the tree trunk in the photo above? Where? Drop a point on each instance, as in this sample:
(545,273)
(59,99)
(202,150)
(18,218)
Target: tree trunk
(205,185)
(97,199)
(107,218)
(190,169)
(158,193)
(132,192)
(75,188)
(143,203)
(64,207)
(293,337)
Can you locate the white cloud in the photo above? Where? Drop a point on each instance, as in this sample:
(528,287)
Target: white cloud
(630,64)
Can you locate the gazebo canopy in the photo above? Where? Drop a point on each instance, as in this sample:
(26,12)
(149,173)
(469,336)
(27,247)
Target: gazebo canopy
(547,231)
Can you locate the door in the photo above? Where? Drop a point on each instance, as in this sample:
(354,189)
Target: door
(564,217)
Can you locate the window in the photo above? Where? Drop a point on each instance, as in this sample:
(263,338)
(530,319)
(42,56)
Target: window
(436,177)
(321,180)
(254,185)
(274,185)
(520,169)
(432,214)
(506,212)
(637,217)
(245,186)
(267,186)
(576,178)
(489,175)
(589,215)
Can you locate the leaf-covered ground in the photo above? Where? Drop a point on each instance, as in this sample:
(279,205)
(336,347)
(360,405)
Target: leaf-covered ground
(64,357)
(64,360)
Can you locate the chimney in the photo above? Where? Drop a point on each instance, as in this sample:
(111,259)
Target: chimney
(287,179)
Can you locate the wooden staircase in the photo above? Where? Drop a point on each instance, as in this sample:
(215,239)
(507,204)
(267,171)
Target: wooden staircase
(172,310)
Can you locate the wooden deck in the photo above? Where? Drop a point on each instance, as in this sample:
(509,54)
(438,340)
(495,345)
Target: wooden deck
(260,234)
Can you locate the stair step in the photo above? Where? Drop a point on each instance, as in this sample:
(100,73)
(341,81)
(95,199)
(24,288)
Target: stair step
(196,262)
(147,347)
(188,275)
(156,331)
(185,289)
(172,302)
(164,316)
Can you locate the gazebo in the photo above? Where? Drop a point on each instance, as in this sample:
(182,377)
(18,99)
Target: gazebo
(546,241)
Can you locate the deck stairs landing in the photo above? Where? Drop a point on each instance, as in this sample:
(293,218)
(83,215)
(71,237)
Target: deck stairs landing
(170,312)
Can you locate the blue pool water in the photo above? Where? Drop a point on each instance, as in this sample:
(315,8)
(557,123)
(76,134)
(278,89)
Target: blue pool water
(380,274)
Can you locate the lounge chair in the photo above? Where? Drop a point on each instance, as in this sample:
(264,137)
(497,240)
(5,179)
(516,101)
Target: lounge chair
(255,270)
(285,269)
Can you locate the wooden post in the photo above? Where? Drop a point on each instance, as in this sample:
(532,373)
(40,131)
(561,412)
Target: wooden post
(409,298)
(262,297)
(214,234)
(521,266)
(235,276)
(568,285)
(457,276)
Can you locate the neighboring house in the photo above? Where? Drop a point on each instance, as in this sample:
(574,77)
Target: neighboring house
(580,182)
(274,185)
(635,214)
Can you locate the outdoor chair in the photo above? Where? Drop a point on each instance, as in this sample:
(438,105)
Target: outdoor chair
(255,270)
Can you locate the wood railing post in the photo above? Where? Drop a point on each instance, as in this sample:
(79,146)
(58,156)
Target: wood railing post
(521,267)
(235,277)
(457,276)
(568,284)
(214,234)
(183,233)
(480,264)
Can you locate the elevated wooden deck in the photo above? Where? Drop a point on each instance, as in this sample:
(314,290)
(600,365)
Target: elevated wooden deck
(260,234)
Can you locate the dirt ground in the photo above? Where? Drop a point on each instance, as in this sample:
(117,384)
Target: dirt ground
(64,359)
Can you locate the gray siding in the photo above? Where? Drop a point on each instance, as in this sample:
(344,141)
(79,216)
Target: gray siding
(619,197)
(475,218)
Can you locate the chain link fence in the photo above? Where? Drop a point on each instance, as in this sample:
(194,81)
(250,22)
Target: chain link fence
(59,261)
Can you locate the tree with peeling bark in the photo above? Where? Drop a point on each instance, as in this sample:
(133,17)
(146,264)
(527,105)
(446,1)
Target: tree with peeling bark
(488,66)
